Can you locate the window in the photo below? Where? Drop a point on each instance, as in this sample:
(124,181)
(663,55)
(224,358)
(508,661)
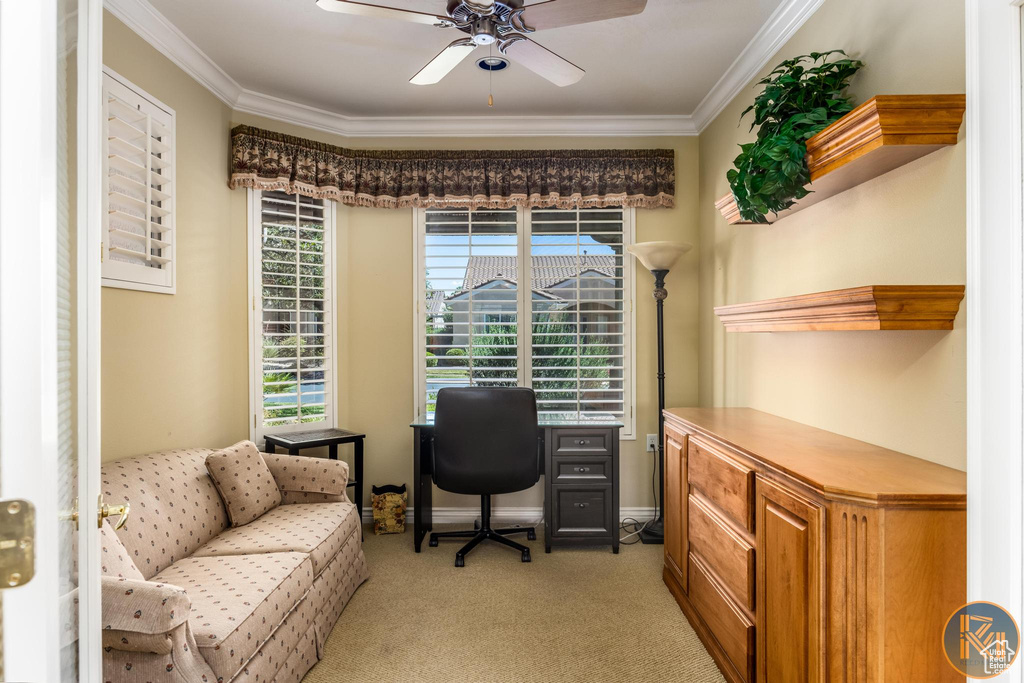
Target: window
(568,335)
(138,235)
(291,240)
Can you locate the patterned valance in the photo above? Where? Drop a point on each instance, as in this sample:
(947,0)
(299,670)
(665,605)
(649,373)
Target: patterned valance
(264,160)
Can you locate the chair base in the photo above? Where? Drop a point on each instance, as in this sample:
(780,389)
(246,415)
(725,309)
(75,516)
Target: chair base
(486,533)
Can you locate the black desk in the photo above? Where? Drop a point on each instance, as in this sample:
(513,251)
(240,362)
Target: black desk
(296,441)
(580,461)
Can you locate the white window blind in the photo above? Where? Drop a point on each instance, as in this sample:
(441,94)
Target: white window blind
(578,312)
(472,283)
(568,335)
(139,158)
(293,314)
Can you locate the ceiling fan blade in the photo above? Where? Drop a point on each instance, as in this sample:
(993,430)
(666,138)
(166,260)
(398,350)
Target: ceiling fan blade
(541,60)
(446,60)
(554,13)
(367,9)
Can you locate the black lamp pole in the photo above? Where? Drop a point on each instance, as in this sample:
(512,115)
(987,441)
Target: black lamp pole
(654,532)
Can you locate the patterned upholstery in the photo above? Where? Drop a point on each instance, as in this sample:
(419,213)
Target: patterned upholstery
(319,529)
(146,634)
(143,606)
(175,506)
(275,653)
(308,476)
(114,560)
(238,602)
(244,482)
(335,587)
(254,618)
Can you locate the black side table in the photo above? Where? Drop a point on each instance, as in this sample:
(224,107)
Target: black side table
(296,441)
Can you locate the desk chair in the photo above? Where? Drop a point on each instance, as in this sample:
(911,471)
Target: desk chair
(485,442)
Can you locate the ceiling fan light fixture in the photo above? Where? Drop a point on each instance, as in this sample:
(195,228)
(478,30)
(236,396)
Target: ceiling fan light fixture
(493,63)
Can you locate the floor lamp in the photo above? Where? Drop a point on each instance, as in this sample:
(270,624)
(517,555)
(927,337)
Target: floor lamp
(659,257)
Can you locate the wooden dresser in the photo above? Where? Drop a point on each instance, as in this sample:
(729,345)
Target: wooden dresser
(801,555)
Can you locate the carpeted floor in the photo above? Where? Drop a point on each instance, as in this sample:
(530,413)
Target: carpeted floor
(574,615)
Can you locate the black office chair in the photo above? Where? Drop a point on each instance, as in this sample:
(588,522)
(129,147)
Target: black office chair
(485,442)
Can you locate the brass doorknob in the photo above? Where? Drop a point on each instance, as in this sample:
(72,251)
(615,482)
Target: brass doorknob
(114,510)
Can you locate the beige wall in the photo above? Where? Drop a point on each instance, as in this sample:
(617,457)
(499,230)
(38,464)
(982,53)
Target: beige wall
(174,366)
(198,396)
(902,390)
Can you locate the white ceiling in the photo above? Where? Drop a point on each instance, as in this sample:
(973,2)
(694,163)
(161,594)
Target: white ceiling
(661,62)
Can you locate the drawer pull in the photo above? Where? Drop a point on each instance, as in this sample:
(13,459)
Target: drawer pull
(582,505)
(582,442)
(582,469)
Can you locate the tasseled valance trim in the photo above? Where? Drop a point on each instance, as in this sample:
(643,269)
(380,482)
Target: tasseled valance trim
(497,179)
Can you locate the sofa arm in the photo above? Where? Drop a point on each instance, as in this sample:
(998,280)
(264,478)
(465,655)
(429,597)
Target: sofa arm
(144,608)
(308,480)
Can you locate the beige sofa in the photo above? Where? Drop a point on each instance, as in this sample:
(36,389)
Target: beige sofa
(214,603)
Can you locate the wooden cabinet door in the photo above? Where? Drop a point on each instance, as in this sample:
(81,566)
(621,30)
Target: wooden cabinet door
(675,503)
(790,573)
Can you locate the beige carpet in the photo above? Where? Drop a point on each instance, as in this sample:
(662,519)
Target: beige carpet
(573,615)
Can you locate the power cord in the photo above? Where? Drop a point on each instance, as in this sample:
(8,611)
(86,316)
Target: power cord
(632,526)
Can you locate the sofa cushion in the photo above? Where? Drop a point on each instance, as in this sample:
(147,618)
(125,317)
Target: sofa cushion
(319,529)
(238,601)
(175,507)
(114,560)
(244,482)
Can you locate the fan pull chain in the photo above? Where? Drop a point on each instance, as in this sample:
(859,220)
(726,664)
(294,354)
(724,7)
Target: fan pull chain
(490,78)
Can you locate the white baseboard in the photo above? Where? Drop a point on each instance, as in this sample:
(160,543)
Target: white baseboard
(534,515)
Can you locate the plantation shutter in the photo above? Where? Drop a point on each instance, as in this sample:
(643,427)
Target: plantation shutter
(579,312)
(295,313)
(471,261)
(139,238)
(568,335)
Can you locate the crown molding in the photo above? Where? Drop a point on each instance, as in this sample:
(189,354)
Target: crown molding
(278,109)
(153,27)
(780,27)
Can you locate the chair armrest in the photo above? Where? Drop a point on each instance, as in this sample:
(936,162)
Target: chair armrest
(296,474)
(144,607)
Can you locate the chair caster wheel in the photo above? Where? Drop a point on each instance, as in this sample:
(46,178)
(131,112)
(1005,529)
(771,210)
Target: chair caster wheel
(526,556)
(433,542)
(460,561)
(531,535)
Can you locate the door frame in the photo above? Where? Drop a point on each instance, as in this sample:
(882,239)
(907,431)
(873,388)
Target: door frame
(995,306)
(90,271)
(28,345)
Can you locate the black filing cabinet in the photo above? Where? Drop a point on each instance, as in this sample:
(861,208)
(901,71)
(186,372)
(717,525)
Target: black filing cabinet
(581,486)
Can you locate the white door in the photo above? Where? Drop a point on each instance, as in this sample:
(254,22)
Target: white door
(49,331)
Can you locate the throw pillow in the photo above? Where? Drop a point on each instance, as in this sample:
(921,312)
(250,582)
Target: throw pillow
(114,557)
(244,482)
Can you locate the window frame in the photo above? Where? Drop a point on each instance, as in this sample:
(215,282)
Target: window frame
(254,232)
(524,232)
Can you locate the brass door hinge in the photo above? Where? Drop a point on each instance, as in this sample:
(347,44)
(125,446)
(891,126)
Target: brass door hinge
(17,543)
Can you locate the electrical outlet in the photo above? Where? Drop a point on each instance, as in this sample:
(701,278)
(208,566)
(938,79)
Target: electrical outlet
(652,442)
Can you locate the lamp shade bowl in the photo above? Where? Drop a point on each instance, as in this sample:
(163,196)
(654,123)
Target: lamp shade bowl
(659,255)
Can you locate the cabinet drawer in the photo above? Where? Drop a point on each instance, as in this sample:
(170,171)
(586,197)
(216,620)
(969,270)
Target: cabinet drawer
(581,441)
(581,510)
(724,481)
(580,469)
(727,622)
(726,552)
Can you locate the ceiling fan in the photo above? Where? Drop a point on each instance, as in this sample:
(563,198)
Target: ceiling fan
(503,23)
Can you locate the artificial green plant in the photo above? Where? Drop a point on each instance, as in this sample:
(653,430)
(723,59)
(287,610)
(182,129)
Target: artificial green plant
(800,98)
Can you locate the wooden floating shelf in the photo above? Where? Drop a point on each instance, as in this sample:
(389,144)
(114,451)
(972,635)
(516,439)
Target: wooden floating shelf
(884,133)
(874,307)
